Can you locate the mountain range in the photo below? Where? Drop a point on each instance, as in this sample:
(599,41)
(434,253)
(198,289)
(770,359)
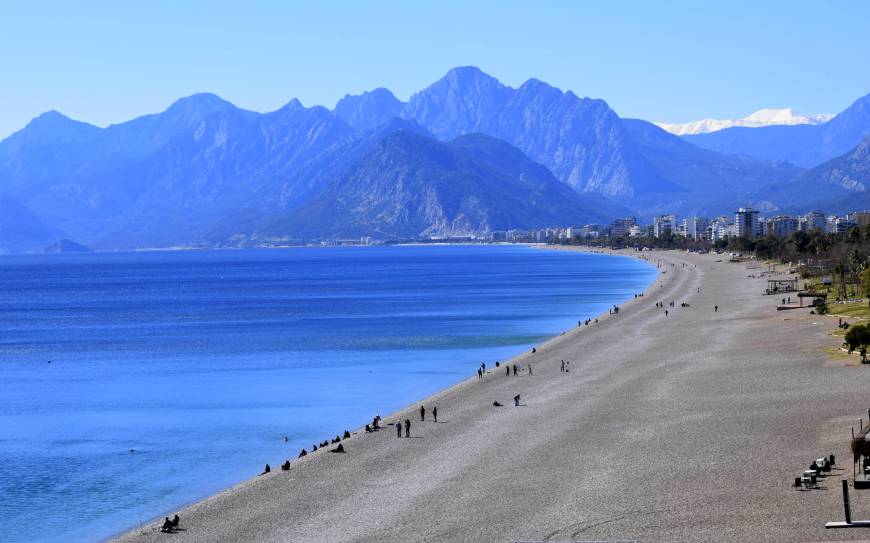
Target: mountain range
(465,155)
(762,117)
(803,145)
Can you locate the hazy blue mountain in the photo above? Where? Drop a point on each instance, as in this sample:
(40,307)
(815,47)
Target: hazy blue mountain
(71,173)
(205,171)
(586,145)
(708,182)
(67,246)
(369,110)
(229,165)
(803,145)
(52,146)
(407,185)
(143,135)
(20,228)
(840,185)
(201,168)
(260,169)
(850,171)
(462,102)
(581,140)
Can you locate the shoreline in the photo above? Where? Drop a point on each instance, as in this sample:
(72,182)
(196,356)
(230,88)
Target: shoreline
(685,427)
(411,410)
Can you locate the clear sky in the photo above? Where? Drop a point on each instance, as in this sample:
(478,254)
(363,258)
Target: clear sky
(106,62)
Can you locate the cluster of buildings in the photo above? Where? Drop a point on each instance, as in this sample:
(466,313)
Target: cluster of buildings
(745,223)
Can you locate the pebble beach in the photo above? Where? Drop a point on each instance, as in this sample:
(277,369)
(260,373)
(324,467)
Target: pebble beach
(689,426)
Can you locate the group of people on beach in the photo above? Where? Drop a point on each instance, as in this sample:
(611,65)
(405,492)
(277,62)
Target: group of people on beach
(407,423)
(682,304)
(170,525)
(339,447)
(407,428)
(513,368)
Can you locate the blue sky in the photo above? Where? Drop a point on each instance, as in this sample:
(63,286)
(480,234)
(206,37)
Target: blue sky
(105,62)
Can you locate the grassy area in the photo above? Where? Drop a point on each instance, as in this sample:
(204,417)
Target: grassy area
(858,311)
(839,333)
(837,354)
(815,283)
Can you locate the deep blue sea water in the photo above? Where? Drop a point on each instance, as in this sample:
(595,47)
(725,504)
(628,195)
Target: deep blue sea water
(201,362)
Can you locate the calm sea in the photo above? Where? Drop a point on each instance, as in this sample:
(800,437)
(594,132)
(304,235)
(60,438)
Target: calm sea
(201,362)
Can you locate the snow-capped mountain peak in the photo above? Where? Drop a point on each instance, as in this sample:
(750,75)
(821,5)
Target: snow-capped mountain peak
(762,117)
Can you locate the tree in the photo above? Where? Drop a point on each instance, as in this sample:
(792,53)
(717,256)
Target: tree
(865,282)
(840,271)
(858,337)
(857,263)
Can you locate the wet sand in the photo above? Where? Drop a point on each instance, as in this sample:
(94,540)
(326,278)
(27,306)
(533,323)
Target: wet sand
(690,427)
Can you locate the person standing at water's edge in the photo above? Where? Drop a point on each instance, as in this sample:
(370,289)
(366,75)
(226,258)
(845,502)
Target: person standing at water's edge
(435,413)
(398,429)
(422,413)
(407,427)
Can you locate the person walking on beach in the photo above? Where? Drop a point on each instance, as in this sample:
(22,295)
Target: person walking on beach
(398,429)
(407,427)
(479,374)
(422,413)
(517,400)
(530,369)
(515,370)
(666,312)
(562,369)
(715,309)
(435,413)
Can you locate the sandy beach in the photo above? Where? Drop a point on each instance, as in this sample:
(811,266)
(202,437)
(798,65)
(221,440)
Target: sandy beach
(687,427)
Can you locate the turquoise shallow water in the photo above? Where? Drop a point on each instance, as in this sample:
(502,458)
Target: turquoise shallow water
(201,362)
